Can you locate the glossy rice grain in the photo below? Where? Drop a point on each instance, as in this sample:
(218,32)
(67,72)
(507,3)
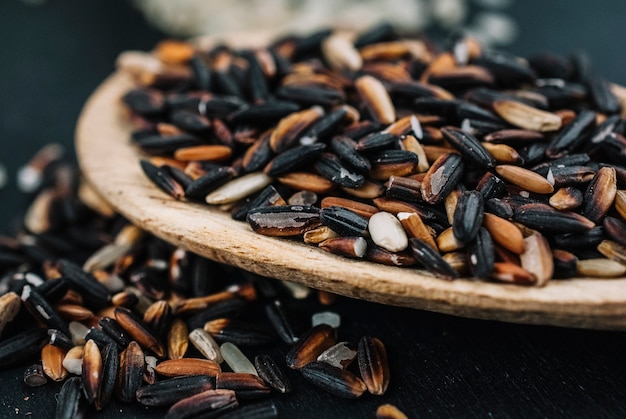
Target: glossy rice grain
(336,381)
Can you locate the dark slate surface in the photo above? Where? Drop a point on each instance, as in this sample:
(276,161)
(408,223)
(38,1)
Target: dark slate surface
(53,56)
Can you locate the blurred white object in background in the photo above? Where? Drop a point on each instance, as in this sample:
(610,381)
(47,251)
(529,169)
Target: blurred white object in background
(201,17)
(187,18)
(493,28)
(449,14)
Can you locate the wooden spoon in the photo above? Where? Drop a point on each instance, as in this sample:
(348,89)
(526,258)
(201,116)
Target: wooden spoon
(111,164)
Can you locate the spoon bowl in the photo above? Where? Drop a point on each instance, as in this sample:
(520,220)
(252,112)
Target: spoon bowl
(111,164)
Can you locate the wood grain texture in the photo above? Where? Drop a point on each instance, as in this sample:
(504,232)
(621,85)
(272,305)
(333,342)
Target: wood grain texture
(110,163)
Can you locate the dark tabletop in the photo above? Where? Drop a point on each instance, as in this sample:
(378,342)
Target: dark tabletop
(53,56)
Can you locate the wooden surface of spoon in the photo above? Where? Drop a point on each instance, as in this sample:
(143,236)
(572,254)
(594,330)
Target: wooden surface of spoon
(110,162)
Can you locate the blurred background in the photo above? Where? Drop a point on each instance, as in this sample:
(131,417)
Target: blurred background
(56,52)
